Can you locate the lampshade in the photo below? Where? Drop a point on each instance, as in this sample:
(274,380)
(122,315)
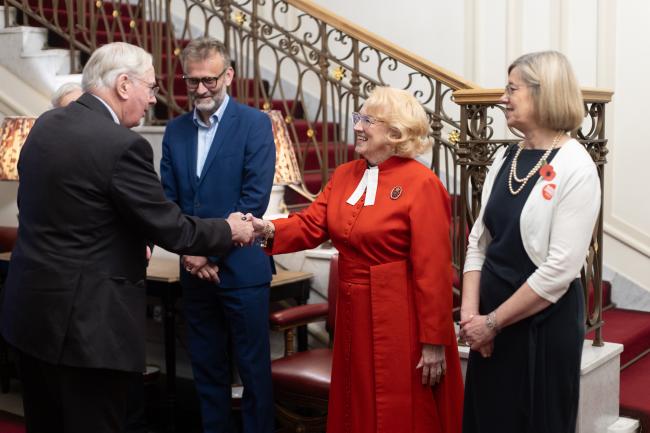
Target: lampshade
(13,133)
(286,165)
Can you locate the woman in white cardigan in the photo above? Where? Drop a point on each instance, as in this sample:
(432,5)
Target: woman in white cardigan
(523,309)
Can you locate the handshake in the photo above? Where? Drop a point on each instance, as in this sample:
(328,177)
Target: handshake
(247,229)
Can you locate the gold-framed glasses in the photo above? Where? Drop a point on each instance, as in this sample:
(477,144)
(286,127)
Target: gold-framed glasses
(364,119)
(209,82)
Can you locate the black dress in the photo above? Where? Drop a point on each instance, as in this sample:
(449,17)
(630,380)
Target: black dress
(531,382)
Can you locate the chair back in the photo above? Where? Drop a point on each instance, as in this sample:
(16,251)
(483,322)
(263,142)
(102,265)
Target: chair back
(332,289)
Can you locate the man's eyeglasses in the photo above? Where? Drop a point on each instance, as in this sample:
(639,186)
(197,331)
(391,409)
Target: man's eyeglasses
(209,82)
(154,88)
(364,118)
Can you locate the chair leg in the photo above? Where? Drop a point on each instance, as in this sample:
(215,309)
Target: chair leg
(4,366)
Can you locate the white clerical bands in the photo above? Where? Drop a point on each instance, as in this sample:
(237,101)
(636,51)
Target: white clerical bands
(368,183)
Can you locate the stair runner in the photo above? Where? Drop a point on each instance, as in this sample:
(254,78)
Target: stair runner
(630,328)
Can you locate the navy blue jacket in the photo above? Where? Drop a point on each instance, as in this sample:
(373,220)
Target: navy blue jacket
(237,176)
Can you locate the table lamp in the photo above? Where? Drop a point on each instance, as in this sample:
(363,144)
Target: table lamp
(287,171)
(13,133)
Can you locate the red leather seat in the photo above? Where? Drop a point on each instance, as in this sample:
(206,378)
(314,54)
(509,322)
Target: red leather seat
(301,381)
(304,372)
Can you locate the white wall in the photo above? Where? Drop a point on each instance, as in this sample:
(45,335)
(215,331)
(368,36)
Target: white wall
(608,43)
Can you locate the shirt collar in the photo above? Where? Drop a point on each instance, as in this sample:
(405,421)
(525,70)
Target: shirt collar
(110,110)
(214,117)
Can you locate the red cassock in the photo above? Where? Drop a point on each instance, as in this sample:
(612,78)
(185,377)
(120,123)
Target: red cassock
(395,293)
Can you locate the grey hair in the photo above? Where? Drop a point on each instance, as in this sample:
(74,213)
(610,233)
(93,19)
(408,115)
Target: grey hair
(62,91)
(111,60)
(202,48)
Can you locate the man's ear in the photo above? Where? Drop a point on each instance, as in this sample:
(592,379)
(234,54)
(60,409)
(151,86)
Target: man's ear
(122,84)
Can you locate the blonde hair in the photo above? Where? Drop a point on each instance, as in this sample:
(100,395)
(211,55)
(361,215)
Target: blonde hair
(406,118)
(110,61)
(557,98)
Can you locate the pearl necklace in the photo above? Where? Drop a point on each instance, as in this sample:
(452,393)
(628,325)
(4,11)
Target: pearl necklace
(542,161)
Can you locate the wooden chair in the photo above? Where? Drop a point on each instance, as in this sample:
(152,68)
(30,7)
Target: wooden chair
(301,381)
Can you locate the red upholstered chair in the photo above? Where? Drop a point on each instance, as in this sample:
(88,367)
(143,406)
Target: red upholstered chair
(301,381)
(8,237)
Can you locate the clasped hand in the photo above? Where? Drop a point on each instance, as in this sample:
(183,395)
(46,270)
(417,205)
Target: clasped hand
(475,332)
(246,229)
(241,227)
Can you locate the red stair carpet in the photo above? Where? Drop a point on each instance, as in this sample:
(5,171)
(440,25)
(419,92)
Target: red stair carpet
(635,392)
(10,423)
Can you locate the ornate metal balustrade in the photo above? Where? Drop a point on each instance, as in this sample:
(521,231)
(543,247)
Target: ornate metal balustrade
(318,68)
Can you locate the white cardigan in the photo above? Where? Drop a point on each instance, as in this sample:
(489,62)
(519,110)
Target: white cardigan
(556,232)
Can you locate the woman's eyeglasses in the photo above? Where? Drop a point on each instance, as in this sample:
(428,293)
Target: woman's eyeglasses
(364,119)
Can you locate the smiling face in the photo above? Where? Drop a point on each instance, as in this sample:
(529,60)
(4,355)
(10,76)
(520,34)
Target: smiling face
(372,139)
(208,100)
(519,103)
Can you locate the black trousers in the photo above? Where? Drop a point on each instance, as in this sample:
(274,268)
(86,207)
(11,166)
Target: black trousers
(63,399)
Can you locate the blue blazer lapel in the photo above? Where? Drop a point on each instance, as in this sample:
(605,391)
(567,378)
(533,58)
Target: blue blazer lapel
(191,153)
(224,131)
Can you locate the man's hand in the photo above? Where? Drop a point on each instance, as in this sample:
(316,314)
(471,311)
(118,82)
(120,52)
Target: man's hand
(201,267)
(241,228)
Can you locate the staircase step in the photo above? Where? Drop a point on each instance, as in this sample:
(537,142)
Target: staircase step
(628,327)
(108,6)
(312,157)
(306,131)
(635,392)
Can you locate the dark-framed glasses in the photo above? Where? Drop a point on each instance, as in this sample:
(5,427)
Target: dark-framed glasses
(209,82)
(154,88)
(364,119)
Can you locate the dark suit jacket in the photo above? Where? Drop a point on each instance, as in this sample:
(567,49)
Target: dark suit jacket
(88,201)
(237,176)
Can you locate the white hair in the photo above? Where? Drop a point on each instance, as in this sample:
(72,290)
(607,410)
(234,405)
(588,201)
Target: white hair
(63,91)
(111,60)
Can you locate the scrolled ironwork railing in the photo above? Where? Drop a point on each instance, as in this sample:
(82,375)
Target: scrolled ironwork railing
(317,68)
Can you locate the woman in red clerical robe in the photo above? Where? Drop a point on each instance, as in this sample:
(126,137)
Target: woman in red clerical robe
(395,364)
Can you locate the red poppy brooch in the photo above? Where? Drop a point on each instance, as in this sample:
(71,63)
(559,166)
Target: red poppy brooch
(547,173)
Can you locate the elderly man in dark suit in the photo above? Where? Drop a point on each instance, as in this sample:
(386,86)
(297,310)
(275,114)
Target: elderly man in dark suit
(89,200)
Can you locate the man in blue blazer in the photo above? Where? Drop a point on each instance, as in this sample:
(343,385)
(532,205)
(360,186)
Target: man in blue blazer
(217,159)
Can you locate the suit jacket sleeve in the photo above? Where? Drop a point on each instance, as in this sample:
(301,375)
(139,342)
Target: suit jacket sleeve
(167,176)
(430,256)
(138,196)
(258,169)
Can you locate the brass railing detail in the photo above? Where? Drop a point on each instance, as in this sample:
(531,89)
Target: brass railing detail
(317,68)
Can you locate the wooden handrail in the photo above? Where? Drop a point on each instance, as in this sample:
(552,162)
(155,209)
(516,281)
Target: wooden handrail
(416,62)
(492,96)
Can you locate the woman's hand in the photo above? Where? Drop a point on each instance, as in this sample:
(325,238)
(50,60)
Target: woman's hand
(432,363)
(476,333)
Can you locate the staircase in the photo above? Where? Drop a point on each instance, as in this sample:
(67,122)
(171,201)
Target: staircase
(294,60)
